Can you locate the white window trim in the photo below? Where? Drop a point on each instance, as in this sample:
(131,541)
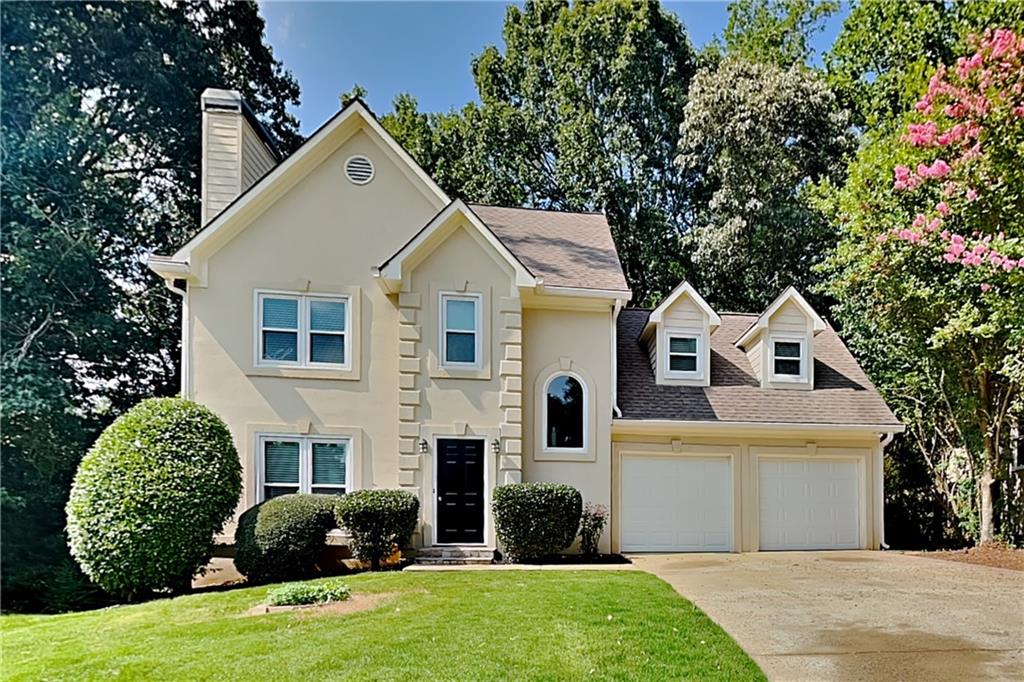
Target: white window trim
(678,332)
(478,332)
(305,462)
(544,413)
(304,331)
(788,378)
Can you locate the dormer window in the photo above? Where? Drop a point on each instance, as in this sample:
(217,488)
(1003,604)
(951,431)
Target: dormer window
(788,359)
(683,355)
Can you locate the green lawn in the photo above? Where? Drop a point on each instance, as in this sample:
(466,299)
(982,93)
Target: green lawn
(540,625)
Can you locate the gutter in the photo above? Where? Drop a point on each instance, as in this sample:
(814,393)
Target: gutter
(661,426)
(616,412)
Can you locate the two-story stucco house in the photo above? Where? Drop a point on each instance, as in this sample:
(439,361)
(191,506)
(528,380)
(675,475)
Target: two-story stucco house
(356,327)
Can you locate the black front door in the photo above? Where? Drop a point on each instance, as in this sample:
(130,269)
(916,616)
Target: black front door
(460,490)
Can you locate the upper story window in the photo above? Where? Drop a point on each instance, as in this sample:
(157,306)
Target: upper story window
(565,413)
(789,359)
(294,464)
(683,358)
(302,330)
(460,330)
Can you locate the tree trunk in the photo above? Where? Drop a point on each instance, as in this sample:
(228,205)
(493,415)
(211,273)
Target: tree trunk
(987,526)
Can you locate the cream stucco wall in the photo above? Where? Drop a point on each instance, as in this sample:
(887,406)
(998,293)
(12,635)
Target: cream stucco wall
(579,342)
(321,236)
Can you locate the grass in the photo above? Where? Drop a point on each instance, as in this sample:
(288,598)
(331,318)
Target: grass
(536,625)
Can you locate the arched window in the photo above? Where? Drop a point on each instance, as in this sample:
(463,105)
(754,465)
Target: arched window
(565,413)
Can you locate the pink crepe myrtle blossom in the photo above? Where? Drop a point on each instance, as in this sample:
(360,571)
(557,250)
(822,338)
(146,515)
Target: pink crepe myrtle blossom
(935,224)
(972,194)
(985,287)
(942,207)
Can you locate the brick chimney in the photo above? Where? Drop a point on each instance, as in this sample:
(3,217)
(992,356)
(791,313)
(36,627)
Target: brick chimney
(237,151)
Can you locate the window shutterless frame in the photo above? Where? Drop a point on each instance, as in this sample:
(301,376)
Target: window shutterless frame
(445,327)
(697,336)
(305,483)
(303,330)
(586,413)
(773,355)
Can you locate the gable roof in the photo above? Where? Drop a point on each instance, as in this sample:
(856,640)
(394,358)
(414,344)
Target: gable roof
(352,117)
(842,394)
(685,289)
(562,248)
(761,323)
(392,270)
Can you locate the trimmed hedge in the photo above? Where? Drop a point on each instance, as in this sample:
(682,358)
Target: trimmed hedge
(378,521)
(535,520)
(149,496)
(282,538)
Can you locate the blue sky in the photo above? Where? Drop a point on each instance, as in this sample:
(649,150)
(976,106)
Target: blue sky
(423,48)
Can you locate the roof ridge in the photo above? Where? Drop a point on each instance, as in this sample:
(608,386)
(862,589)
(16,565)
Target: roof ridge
(534,208)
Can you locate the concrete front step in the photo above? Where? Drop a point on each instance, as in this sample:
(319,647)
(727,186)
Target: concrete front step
(454,555)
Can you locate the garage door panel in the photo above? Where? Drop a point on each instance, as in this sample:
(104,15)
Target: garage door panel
(676,504)
(809,504)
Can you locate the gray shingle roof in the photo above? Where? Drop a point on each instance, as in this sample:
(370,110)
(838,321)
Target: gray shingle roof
(842,394)
(566,249)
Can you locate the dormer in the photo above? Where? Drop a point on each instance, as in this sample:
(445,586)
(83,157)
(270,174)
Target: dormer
(678,338)
(780,343)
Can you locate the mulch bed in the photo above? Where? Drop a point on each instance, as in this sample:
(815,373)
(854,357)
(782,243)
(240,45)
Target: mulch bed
(567,559)
(354,604)
(990,554)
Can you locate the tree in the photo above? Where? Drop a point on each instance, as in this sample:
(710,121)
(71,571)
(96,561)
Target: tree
(886,49)
(100,154)
(579,112)
(930,271)
(759,137)
(776,33)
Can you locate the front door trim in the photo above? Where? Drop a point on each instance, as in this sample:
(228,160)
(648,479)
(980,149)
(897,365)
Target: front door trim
(433,491)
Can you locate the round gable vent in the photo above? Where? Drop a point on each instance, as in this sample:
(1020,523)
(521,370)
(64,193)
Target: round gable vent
(359,169)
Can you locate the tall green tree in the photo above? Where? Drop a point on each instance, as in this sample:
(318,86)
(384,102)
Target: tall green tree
(881,58)
(579,111)
(100,154)
(774,32)
(760,137)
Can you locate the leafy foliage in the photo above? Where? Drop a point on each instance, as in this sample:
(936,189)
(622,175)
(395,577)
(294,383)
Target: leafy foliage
(592,523)
(777,33)
(928,272)
(294,594)
(100,159)
(881,59)
(379,521)
(150,494)
(535,520)
(282,538)
(578,113)
(759,137)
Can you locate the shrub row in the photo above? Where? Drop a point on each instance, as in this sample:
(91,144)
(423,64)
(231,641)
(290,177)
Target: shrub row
(535,520)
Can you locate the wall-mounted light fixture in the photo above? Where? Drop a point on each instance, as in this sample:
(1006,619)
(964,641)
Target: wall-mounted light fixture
(496,446)
(424,446)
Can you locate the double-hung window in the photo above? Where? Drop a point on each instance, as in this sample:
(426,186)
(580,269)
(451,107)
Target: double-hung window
(303,330)
(460,330)
(788,359)
(683,357)
(294,464)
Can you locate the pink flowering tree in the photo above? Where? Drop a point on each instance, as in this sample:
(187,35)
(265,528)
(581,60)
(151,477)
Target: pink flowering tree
(929,272)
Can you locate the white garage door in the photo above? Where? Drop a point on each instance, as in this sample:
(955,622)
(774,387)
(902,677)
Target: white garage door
(676,504)
(809,504)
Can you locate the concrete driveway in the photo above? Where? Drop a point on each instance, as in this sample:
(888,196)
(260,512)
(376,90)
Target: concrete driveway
(858,615)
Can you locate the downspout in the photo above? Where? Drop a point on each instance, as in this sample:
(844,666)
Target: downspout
(182,290)
(886,438)
(615,358)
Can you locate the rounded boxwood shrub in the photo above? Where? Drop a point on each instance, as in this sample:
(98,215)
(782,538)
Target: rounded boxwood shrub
(535,520)
(378,521)
(150,494)
(281,538)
